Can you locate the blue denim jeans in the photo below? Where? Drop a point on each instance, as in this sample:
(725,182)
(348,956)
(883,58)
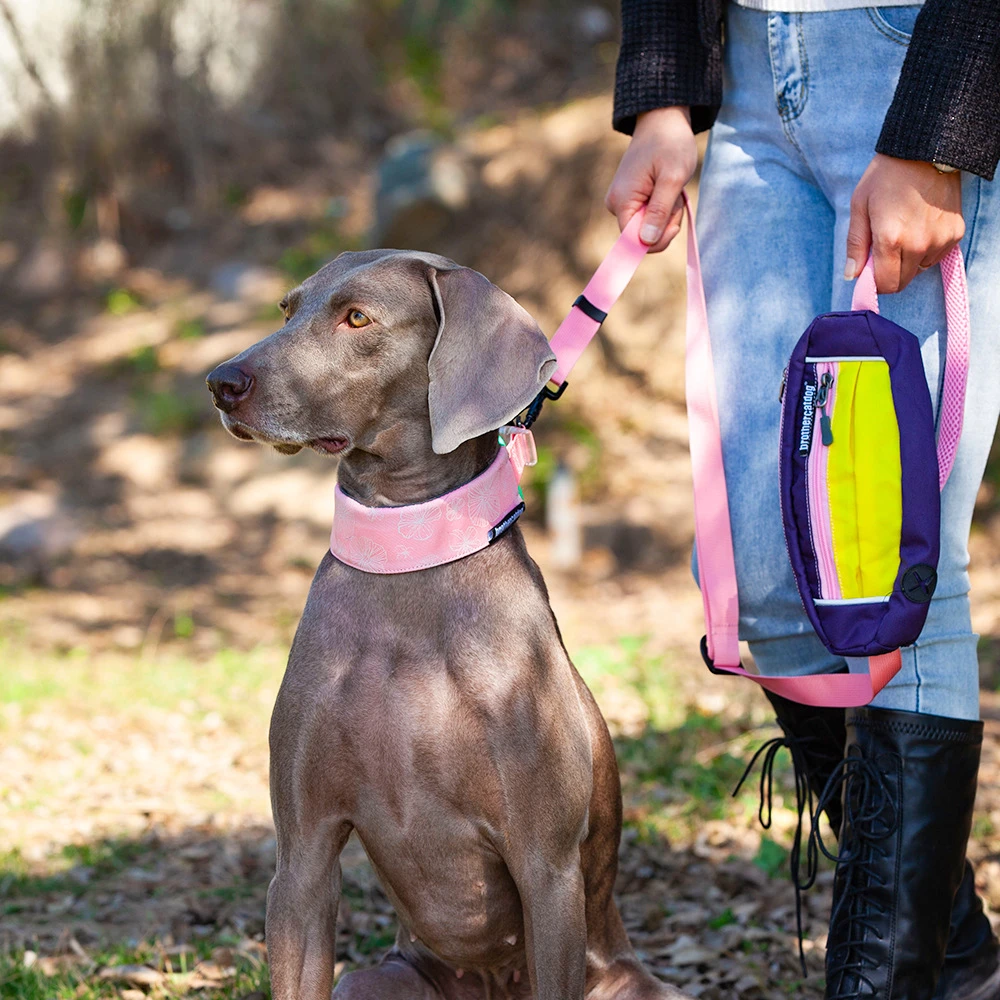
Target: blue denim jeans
(804,99)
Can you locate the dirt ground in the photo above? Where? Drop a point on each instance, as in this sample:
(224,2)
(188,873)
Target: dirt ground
(143,636)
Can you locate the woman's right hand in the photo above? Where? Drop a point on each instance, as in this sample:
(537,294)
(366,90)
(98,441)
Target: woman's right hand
(661,158)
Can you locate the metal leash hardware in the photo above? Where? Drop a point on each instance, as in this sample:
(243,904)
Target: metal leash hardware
(535,408)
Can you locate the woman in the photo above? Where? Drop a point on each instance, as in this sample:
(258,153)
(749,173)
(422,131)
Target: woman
(839,129)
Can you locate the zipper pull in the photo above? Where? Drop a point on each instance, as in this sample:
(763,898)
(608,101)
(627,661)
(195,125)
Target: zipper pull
(825,429)
(784,382)
(826,433)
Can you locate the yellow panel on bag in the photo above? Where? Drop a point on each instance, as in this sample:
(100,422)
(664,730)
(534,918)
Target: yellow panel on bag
(865,480)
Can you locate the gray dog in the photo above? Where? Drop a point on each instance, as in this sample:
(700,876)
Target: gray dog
(435,713)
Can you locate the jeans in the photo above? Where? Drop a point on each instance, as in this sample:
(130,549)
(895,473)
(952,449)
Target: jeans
(804,99)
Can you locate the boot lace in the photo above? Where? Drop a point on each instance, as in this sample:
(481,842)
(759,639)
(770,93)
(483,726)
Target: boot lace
(870,817)
(800,748)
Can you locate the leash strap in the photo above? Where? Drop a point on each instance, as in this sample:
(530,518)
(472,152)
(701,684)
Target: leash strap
(603,290)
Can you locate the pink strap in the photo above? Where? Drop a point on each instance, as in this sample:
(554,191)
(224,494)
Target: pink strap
(865,295)
(956,368)
(603,290)
(830,690)
(712,532)
(437,531)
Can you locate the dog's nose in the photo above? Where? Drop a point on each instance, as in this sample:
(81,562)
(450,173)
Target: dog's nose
(230,385)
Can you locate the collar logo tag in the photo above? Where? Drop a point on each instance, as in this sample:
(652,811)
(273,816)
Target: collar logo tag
(498,529)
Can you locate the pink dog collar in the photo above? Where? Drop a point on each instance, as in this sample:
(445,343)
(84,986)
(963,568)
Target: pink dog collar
(418,536)
(438,531)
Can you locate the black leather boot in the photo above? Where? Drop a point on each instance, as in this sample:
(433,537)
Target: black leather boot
(816,738)
(972,964)
(908,785)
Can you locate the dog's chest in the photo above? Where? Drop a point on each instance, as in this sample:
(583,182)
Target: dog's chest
(450,888)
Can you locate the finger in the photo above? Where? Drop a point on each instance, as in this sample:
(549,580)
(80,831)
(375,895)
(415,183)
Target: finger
(909,268)
(662,207)
(625,213)
(672,228)
(888,267)
(859,239)
(626,195)
(676,218)
(936,254)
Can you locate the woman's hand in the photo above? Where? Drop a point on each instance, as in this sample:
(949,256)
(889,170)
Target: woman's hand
(910,213)
(660,160)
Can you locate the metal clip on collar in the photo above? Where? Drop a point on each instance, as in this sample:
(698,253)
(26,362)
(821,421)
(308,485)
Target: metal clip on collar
(531,414)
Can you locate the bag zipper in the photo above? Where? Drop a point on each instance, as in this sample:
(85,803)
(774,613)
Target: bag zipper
(820,522)
(822,396)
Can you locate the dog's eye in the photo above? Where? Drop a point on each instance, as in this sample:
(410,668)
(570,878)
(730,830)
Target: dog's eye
(357,319)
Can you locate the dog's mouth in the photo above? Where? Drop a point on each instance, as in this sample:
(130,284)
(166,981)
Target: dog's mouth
(238,431)
(332,445)
(329,445)
(245,433)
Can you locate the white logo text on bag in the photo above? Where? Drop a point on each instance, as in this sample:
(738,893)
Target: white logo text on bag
(808,415)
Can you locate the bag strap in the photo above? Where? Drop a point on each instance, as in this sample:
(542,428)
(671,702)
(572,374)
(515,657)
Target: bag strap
(956,367)
(713,532)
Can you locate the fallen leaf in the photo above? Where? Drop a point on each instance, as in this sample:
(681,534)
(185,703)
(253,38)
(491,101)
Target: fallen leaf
(213,971)
(139,975)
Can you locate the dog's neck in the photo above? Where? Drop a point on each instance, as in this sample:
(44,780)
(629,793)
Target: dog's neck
(398,466)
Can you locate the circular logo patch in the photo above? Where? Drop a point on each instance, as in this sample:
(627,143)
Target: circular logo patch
(919,582)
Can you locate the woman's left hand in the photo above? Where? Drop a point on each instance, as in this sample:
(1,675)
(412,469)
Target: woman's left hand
(908,214)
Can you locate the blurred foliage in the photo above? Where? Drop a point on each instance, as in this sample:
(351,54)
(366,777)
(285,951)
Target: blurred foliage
(103,857)
(680,765)
(559,431)
(75,203)
(770,857)
(183,625)
(120,302)
(236,684)
(724,919)
(77,981)
(174,104)
(190,329)
(143,360)
(317,249)
(168,411)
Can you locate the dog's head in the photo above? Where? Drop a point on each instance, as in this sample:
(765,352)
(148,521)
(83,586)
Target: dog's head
(380,337)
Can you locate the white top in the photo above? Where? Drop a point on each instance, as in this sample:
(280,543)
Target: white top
(811,6)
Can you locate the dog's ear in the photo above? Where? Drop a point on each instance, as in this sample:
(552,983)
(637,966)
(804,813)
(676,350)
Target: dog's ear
(488,363)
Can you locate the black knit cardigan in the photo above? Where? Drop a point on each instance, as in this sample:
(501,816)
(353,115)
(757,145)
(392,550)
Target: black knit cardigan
(946,108)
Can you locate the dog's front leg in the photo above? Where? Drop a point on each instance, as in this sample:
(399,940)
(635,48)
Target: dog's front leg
(302,902)
(555,926)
